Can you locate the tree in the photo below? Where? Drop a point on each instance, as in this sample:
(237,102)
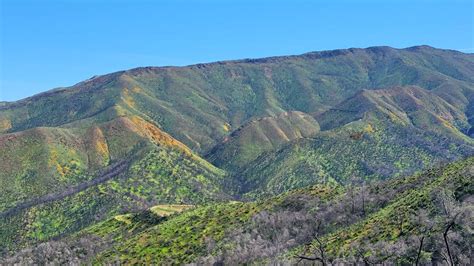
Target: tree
(423,225)
(455,225)
(320,254)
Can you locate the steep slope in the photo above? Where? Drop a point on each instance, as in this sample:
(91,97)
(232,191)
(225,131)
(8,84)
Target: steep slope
(249,141)
(387,216)
(225,95)
(376,134)
(57,181)
(201,105)
(429,224)
(72,157)
(409,105)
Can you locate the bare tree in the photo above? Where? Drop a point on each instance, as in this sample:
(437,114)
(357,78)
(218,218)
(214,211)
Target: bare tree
(423,226)
(449,225)
(452,210)
(320,254)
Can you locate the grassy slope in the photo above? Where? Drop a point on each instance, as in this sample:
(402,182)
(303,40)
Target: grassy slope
(280,227)
(202,104)
(61,138)
(115,229)
(159,170)
(400,219)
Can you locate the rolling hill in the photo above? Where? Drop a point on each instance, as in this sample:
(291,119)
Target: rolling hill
(74,159)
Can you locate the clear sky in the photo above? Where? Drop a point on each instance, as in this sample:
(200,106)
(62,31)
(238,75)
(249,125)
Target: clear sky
(47,44)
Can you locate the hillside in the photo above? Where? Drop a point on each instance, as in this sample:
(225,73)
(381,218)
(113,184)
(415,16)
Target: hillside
(57,181)
(252,139)
(408,105)
(377,222)
(210,134)
(224,95)
(375,134)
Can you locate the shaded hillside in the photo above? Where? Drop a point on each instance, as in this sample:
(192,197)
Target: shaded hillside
(387,216)
(249,141)
(357,150)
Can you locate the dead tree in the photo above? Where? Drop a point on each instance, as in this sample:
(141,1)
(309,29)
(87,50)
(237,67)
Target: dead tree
(320,254)
(448,227)
(420,247)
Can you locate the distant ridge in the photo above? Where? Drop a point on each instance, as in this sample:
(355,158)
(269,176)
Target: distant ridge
(313,54)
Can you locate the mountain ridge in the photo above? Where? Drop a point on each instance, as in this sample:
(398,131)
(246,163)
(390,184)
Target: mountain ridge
(205,134)
(259,92)
(257,59)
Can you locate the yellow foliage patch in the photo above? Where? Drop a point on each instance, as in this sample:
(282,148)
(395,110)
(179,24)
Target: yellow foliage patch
(53,162)
(101,147)
(446,123)
(137,90)
(62,168)
(100,144)
(369,128)
(127,98)
(166,210)
(123,218)
(5,124)
(395,118)
(226,127)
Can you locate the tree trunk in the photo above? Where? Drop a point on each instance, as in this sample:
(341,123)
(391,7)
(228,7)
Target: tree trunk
(445,236)
(419,250)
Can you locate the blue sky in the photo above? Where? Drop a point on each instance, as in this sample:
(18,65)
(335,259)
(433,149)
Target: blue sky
(47,44)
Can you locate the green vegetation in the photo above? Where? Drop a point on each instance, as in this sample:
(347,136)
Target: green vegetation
(248,142)
(157,164)
(422,212)
(371,149)
(161,170)
(389,207)
(194,103)
(372,222)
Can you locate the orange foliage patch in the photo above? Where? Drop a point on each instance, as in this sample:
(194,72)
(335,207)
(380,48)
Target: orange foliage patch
(149,130)
(101,147)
